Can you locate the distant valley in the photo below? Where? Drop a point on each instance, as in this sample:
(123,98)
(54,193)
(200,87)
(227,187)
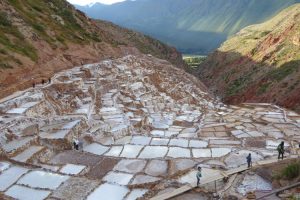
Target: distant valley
(192,26)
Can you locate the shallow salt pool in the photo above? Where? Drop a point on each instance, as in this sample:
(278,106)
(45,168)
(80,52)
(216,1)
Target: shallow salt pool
(109,191)
(154,152)
(25,193)
(96,148)
(43,180)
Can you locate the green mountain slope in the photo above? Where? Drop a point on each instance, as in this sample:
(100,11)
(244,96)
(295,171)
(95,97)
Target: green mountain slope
(41,37)
(259,64)
(193,26)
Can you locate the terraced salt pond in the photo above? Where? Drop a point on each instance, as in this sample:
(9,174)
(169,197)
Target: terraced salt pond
(143,127)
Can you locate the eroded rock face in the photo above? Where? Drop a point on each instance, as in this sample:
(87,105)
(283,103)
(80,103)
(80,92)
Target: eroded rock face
(140,126)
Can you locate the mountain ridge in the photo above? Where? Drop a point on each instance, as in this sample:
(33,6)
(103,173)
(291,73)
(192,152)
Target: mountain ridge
(191,26)
(261,63)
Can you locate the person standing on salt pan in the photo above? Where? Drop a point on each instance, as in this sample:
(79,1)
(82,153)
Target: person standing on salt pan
(198,175)
(280,150)
(249,160)
(76,144)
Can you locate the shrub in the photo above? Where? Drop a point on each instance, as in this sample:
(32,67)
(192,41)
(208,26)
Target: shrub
(291,171)
(38,27)
(283,71)
(263,88)
(4,20)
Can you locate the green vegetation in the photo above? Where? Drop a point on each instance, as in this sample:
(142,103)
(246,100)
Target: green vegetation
(236,86)
(15,44)
(4,20)
(42,16)
(285,70)
(263,88)
(291,171)
(193,60)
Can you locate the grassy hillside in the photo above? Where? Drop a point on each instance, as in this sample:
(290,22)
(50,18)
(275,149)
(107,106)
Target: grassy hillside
(261,63)
(41,37)
(193,26)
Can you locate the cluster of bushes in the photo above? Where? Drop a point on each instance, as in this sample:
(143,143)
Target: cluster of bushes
(194,60)
(291,171)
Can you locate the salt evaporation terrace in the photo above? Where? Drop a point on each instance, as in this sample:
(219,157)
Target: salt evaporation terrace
(144,127)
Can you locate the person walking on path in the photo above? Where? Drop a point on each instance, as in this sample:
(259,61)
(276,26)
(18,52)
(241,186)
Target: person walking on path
(280,150)
(249,160)
(199,175)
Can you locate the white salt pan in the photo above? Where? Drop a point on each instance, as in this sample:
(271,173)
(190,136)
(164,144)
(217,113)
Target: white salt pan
(159,141)
(198,144)
(8,177)
(17,111)
(130,166)
(27,154)
(177,152)
(43,180)
(142,179)
(219,152)
(131,151)
(158,133)
(136,193)
(109,191)
(239,158)
(114,151)
(201,153)
(118,178)
(179,142)
(96,148)
(191,176)
(57,135)
(9,147)
(154,152)
(25,193)
(225,142)
(253,183)
(72,169)
(142,140)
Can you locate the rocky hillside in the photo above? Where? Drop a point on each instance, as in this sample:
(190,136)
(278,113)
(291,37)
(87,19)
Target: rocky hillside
(41,37)
(192,26)
(259,64)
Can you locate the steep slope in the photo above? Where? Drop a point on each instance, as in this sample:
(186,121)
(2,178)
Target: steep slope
(39,38)
(261,63)
(192,26)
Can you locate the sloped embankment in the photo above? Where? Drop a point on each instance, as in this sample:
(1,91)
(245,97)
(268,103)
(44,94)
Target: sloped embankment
(40,38)
(259,64)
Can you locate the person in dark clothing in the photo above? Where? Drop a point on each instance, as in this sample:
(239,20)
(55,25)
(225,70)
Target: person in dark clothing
(280,149)
(76,144)
(249,160)
(33,85)
(49,80)
(43,81)
(198,175)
